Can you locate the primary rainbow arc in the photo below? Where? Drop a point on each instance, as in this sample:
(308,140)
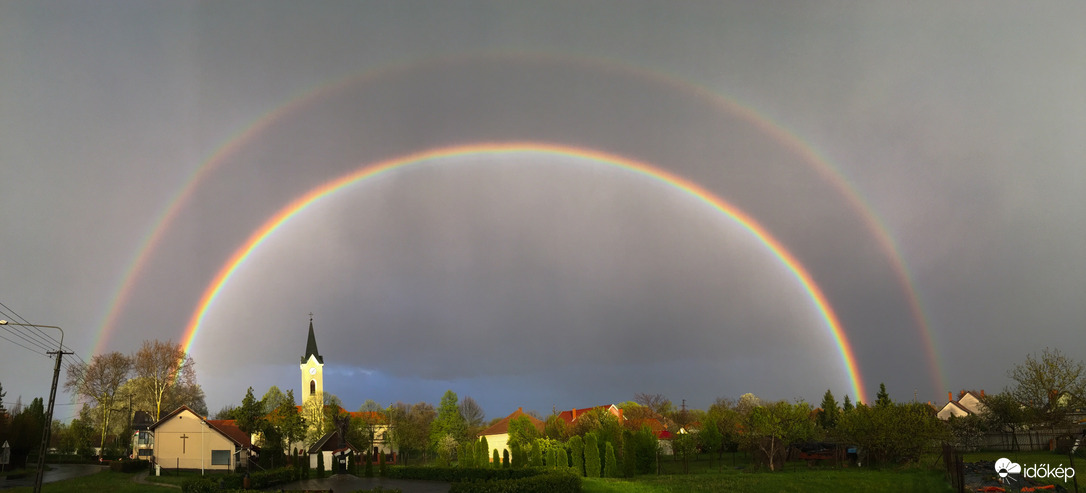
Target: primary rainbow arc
(261,234)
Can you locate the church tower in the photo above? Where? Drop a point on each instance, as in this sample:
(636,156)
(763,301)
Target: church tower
(312,369)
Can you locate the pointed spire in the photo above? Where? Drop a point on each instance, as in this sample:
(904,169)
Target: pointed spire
(311,345)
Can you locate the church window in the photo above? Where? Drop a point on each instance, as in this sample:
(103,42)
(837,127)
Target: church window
(312,387)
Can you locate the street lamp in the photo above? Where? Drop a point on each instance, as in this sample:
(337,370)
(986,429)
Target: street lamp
(52,398)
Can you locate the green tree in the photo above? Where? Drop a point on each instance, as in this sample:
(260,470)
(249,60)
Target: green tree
(770,428)
(272,399)
(410,426)
(629,454)
(882,399)
(710,439)
(576,448)
(846,407)
(536,457)
(496,461)
(320,465)
(249,417)
(1004,413)
(591,456)
(684,445)
(897,433)
(827,416)
(449,422)
(1050,385)
(466,456)
(556,428)
(483,449)
(505,458)
(522,432)
(610,469)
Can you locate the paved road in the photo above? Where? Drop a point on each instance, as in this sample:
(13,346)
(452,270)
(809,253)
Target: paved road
(347,482)
(58,472)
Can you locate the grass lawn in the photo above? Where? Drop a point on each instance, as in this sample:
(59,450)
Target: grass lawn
(796,477)
(1026,459)
(178,477)
(114,482)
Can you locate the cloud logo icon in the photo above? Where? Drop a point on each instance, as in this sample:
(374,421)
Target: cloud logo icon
(1004,466)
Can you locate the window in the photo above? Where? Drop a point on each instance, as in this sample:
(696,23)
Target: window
(220,457)
(312,387)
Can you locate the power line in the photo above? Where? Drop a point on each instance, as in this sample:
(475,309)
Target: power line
(36,330)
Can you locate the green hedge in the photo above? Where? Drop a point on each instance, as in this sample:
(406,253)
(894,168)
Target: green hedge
(549,482)
(456,474)
(129,465)
(199,485)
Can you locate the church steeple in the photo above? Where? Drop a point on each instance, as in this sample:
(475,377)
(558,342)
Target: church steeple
(311,345)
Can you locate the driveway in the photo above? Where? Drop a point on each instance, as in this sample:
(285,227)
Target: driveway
(347,482)
(57,472)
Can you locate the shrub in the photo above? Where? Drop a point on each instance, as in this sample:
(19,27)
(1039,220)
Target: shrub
(482,452)
(381,465)
(576,447)
(129,465)
(497,461)
(505,458)
(548,482)
(199,485)
(591,456)
(457,474)
(320,464)
(610,469)
(369,464)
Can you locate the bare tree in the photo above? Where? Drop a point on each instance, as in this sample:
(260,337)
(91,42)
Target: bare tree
(159,366)
(473,416)
(1049,385)
(100,381)
(657,403)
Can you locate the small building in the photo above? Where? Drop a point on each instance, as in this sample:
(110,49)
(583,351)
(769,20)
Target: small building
(969,402)
(335,449)
(143,443)
(497,435)
(186,440)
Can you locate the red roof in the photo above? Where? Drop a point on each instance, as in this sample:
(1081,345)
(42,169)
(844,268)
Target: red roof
(228,428)
(502,426)
(572,415)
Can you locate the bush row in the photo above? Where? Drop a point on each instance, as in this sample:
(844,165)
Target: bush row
(129,465)
(226,482)
(549,482)
(457,474)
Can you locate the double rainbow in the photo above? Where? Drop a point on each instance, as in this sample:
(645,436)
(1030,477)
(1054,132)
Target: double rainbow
(295,207)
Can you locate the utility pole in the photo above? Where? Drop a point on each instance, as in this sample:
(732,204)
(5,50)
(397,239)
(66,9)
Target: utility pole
(48,428)
(48,418)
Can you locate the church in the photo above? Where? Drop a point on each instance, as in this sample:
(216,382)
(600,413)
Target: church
(313,405)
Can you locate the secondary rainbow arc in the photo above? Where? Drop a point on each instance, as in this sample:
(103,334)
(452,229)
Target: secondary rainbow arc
(296,206)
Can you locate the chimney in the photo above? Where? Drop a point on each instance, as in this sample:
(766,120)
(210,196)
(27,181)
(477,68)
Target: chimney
(981,393)
(574,413)
(950,396)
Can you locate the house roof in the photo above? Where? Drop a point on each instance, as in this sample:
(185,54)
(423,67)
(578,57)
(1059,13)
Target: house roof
(378,417)
(225,427)
(502,426)
(572,415)
(230,429)
(330,442)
